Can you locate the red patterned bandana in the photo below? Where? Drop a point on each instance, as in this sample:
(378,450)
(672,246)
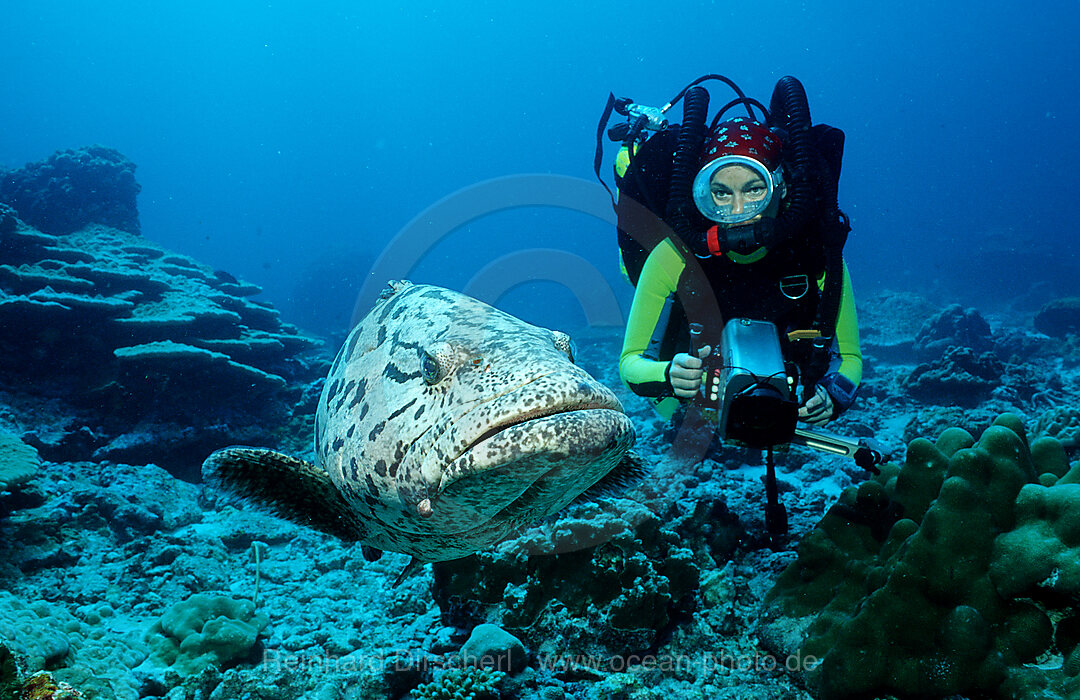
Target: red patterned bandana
(742,137)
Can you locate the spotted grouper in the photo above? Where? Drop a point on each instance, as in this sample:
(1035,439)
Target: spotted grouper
(444,426)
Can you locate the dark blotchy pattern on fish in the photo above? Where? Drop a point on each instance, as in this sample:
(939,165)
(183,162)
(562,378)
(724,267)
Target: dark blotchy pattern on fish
(498,429)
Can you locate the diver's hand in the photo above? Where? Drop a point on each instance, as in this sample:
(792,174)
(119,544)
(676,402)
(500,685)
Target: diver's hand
(818,410)
(685,373)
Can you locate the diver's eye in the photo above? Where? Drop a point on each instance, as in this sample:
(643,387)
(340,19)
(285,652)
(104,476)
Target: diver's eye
(564,344)
(720,194)
(430,370)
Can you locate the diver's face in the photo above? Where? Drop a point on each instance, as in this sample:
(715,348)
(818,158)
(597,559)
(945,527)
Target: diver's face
(737,186)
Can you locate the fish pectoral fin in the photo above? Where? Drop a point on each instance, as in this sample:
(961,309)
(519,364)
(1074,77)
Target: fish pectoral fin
(630,470)
(285,486)
(411,568)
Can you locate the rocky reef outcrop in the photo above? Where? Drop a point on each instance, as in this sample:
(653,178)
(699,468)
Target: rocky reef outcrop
(953,326)
(73,188)
(147,346)
(611,577)
(1059,318)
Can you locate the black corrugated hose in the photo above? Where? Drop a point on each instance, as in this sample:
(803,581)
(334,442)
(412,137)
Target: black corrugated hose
(691,137)
(789,110)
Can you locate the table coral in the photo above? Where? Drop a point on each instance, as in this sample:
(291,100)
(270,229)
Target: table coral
(138,336)
(950,574)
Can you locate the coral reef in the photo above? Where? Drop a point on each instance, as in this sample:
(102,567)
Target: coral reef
(615,573)
(652,594)
(142,339)
(18,461)
(960,377)
(952,573)
(71,189)
(953,326)
(206,630)
(468,683)
(889,323)
(1059,318)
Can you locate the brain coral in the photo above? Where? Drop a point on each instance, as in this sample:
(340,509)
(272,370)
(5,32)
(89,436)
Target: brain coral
(952,574)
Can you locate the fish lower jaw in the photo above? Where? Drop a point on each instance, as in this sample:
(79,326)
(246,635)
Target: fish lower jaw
(545,457)
(536,415)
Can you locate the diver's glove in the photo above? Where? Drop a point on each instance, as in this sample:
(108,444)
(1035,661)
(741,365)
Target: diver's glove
(818,409)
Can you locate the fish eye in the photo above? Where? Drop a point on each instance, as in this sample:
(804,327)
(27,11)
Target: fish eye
(430,370)
(564,344)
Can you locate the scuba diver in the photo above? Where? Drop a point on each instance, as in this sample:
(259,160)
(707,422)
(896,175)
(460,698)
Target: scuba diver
(733,239)
(735,220)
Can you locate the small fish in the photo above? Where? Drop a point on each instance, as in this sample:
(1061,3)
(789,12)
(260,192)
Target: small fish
(444,426)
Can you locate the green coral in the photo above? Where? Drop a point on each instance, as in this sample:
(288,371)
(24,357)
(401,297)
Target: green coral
(951,574)
(206,630)
(18,461)
(468,683)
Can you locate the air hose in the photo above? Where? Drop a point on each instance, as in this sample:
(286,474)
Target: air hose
(789,111)
(691,137)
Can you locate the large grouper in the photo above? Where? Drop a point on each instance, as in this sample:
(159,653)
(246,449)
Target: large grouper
(444,426)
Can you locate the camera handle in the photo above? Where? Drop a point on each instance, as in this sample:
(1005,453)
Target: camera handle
(696,329)
(776,518)
(866,452)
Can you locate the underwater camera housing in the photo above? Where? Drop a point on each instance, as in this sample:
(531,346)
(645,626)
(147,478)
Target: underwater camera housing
(746,381)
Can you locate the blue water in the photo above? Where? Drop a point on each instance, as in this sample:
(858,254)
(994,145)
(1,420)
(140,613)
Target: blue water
(289,142)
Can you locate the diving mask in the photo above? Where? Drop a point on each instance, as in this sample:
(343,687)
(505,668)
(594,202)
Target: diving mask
(721,203)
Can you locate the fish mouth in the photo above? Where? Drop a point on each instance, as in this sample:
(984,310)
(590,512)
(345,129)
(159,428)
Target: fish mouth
(526,468)
(536,414)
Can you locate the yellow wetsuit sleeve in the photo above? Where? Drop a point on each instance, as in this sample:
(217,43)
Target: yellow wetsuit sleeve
(847,334)
(659,280)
